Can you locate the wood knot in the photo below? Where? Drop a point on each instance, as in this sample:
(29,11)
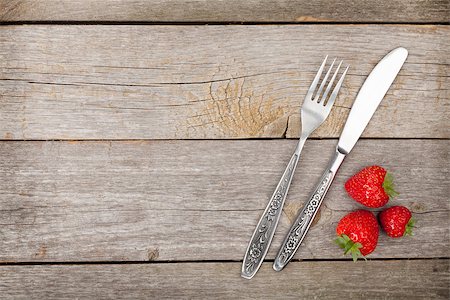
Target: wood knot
(233,109)
(42,251)
(153,254)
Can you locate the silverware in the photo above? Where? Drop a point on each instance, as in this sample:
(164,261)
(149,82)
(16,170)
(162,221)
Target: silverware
(367,101)
(313,113)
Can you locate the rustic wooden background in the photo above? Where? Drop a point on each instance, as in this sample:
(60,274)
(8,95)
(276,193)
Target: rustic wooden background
(141,140)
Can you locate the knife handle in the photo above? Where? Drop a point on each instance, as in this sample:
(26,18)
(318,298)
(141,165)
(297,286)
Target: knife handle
(304,220)
(264,232)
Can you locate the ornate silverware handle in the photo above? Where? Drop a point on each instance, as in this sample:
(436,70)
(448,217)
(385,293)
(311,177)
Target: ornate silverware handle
(304,220)
(263,234)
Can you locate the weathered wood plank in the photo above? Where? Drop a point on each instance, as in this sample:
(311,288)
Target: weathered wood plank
(421,11)
(417,279)
(198,200)
(181,82)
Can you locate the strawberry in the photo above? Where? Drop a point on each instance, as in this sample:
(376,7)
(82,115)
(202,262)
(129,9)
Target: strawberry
(358,233)
(372,187)
(396,221)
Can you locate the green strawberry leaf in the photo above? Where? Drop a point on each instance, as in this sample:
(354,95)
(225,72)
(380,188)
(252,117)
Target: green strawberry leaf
(409,227)
(388,185)
(349,246)
(340,241)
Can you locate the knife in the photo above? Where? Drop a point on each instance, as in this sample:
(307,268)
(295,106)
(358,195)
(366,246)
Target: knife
(365,105)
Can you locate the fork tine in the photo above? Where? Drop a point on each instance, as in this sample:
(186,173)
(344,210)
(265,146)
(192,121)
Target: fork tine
(316,79)
(324,97)
(336,89)
(324,80)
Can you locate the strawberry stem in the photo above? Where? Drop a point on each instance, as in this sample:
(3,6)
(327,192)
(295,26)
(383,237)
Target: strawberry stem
(409,227)
(349,246)
(388,185)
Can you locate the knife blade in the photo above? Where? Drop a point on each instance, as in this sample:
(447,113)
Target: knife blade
(368,99)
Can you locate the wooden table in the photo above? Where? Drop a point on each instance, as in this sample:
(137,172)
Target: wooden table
(141,140)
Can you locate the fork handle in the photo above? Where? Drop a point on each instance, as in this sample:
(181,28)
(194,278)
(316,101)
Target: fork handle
(304,220)
(263,234)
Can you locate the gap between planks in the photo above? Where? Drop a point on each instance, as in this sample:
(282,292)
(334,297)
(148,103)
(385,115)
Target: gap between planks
(224,139)
(139,262)
(174,23)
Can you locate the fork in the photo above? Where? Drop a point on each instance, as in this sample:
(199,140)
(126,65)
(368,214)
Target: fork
(313,113)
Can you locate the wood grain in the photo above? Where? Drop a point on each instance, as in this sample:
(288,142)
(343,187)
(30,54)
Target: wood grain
(421,11)
(210,82)
(199,200)
(422,279)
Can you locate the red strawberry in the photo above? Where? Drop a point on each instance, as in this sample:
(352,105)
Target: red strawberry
(372,186)
(358,233)
(396,221)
